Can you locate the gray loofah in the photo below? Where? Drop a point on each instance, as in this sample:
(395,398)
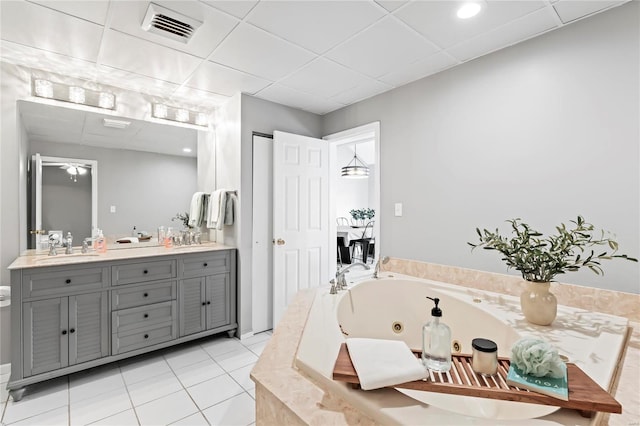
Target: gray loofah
(537,358)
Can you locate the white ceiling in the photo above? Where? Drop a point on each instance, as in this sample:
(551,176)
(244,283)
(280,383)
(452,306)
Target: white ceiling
(48,123)
(314,55)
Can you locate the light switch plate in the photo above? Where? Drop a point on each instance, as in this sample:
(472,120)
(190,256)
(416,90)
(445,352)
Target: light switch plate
(398,209)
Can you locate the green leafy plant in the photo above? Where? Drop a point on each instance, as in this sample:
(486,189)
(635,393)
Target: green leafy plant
(184,218)
(362,214)
(540,258)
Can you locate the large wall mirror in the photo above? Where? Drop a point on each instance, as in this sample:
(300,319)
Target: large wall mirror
(148,170)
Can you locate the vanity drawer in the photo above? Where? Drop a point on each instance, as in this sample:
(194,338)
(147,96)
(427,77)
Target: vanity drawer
(130,296)
(141,338)
(143,271)
(58,280)
(142,317)
(205,264)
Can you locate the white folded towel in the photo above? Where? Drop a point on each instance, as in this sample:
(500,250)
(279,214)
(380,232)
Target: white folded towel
(215,208)
(196,209)
(381,363)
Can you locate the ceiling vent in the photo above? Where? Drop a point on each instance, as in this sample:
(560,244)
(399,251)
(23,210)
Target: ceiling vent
(165,22)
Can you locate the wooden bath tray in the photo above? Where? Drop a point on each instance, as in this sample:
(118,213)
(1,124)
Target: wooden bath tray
(585,395)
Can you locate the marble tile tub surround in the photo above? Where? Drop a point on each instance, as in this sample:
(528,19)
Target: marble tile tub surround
(592,299)
(285,395)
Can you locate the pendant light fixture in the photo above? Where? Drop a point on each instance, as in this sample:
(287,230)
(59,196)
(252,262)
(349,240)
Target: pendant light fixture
(356,169)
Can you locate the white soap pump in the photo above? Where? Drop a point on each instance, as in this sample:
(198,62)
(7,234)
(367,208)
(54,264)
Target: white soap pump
(436,341)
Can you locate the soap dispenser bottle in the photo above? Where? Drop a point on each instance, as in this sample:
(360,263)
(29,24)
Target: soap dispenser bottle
(436,341)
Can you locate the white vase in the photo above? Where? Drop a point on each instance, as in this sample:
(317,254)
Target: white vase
(538,304)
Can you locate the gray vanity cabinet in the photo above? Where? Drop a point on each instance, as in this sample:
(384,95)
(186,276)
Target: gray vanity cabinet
(73,316)
(64,331)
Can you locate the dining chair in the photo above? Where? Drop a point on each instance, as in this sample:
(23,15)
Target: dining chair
(363,242)
(342,221)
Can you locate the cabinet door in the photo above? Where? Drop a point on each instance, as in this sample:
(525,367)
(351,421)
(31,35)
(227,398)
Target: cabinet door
(88,327)
(45,334)
(192,307)
(217,300)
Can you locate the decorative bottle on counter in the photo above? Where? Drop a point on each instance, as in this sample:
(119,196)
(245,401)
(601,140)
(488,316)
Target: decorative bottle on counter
(436,341)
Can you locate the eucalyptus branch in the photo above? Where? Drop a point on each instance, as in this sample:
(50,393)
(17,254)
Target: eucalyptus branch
(541,258)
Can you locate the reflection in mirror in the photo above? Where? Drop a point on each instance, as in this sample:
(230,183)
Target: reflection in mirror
(146,173)
(63,198)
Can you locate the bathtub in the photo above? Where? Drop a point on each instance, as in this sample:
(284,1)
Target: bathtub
(395,307)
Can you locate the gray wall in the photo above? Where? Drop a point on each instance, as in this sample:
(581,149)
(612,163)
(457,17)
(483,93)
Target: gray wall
(66,205)
(544,130)
(148,189)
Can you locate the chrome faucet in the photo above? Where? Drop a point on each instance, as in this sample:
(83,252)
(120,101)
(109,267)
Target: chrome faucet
(341,282)
(68,244)
(54,241)
(85,244)
(379,263)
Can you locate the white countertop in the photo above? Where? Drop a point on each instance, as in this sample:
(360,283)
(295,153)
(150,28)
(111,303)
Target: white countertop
(37,259)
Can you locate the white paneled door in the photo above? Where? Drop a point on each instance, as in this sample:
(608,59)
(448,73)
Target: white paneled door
(300,217)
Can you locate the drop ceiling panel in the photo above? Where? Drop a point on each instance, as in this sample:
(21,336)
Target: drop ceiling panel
(224,80)
(237,8)
(286,96)
(128,15)
(323,78)
(124,52)
(511,33)
(571,10)
(391,5)
(419,69)
(132,81)
(437,20)
(381,48)
(366,88)
(94,11)
(201,98)
(49,30)
(257,52)
(315,25)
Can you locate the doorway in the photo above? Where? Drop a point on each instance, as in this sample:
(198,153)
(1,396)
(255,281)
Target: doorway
(366,140)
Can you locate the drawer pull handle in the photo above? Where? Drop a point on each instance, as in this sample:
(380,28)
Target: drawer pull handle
(145,272)
(204,303)
(68,281)
(146,295)
(146,336)
(73,330)
(208,302)
(64,332)
(146,315)
(206,264)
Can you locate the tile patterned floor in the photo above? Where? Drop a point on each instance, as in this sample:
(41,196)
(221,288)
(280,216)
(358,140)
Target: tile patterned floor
(198,383)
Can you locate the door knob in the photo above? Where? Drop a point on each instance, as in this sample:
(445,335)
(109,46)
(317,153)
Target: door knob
(280,241)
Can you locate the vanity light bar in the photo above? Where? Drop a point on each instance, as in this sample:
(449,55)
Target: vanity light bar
(181,115)
(78,95)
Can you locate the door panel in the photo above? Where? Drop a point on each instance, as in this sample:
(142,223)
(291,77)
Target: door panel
(218,301)
(45,345)
(192,312)
(88,327)
(300,216)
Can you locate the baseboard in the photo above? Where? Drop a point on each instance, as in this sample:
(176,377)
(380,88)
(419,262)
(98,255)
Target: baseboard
(246,335)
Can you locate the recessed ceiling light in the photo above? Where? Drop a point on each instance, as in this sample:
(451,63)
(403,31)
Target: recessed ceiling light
(186,149)
(468,10)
